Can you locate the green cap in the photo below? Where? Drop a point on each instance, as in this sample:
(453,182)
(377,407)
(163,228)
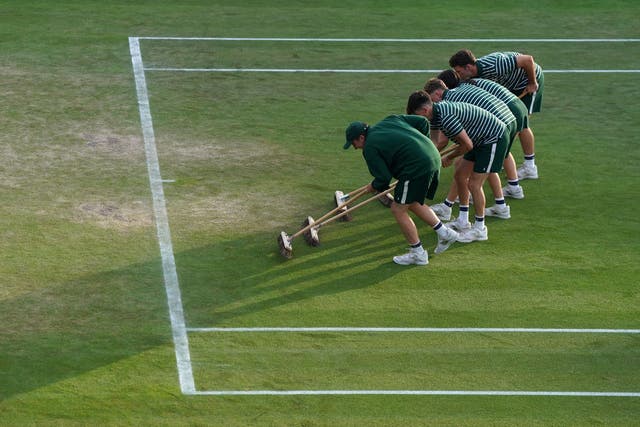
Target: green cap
(354,130)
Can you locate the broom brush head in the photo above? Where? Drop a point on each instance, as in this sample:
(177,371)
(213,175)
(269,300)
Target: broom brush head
(284,243)
(311,235)
(340,198)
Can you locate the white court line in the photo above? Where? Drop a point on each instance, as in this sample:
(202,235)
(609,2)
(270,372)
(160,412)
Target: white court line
(418,330)
(328,70)
(390,40)
(415,393)
(178,327)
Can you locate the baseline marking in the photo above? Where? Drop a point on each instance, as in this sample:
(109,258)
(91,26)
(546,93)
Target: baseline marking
(391,40)
(321,70)
(446,330)
(174,300)
(415,393)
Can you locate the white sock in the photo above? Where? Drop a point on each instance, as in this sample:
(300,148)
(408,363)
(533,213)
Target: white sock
(463,215)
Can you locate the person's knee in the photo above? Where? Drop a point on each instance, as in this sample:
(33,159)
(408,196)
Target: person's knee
(476,181)
(399,210)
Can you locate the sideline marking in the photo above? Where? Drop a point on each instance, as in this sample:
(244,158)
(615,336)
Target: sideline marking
(174,300)
(448,330)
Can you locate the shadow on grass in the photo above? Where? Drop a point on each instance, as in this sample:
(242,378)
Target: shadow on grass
(232,279)
(67,329)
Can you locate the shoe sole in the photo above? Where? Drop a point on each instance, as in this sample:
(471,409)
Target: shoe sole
(473,240)
(461,239)
(496,215)
(410,263)
(513,196)
(527,177)
(458,229)
(443,246)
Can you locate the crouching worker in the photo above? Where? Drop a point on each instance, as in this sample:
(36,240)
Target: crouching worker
(398,147)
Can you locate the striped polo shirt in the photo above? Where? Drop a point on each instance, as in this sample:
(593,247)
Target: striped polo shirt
(481,98)
(501,67)
(495,89)
(454,117)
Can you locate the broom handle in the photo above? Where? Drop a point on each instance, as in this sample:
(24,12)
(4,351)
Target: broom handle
(357,194)
(448,150)
(354,195)
(353,208)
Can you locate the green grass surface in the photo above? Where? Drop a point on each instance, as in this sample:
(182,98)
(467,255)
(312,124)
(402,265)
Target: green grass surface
(86,336)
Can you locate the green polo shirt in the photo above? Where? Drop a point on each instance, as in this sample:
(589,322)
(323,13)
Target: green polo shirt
(398,147)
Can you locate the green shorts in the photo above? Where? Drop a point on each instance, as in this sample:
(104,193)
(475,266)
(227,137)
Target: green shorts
(537,102)
(519,110)
(416,189)
(489,157)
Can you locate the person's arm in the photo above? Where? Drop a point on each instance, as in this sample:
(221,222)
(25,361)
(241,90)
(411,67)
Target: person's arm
(439,139)
(464,144)
(527,63)
(378,169)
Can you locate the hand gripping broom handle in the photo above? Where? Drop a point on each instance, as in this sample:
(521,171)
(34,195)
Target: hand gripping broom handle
(449,150)
(533,99)
(353,208)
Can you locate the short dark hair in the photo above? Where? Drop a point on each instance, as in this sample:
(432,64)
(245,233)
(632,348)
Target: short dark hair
(462,58)
(450,78)
(434,84)
(417,100)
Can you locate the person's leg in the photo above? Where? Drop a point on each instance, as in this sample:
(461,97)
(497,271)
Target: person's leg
(513,188)
(528,170)
(417,254)
(407,226)
(478,231)
(446,236)
(443,210)
(461,177)
(496,186)
(527,141)
(500,209)
(476,181)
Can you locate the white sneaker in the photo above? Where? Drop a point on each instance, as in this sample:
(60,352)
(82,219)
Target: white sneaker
(445,242)
(513,191)
(442,211)
(528,172)
(473,234)
(412,257)
(458,225)
(499,211)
